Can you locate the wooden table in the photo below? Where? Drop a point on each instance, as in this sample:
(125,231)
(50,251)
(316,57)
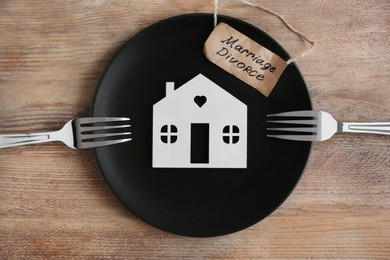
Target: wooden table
(54,202)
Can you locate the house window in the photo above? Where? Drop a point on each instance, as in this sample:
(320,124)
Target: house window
(231,134)
(169,134)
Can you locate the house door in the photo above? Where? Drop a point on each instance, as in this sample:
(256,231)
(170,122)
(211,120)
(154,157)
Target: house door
(200,143)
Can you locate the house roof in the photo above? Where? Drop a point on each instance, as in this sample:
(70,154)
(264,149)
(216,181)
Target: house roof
(199,86)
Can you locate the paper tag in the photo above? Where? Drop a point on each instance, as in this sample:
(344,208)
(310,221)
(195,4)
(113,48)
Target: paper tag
(244,58)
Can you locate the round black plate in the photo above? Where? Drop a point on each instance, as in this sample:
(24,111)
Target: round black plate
(187,201)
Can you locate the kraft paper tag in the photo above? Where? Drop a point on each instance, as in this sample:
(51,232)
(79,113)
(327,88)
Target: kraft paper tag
(244,58)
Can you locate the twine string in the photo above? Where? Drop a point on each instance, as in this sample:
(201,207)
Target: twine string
(285,23)
(215,12)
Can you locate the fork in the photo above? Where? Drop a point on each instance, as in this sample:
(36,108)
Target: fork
(319,126)
(80,133)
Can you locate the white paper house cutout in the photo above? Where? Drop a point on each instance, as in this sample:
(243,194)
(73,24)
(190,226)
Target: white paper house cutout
(199,107)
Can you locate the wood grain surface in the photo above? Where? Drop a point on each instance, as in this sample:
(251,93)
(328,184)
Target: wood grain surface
(54,202)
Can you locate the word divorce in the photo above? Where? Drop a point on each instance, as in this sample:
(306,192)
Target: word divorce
(259,64)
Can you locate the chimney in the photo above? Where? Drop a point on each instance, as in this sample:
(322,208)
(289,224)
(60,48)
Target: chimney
(169,88)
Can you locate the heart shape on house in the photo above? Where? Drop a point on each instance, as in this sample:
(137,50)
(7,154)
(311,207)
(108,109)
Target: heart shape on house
(200,100)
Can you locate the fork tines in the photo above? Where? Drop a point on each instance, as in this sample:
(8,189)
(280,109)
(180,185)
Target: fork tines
(102,131)
(301,124)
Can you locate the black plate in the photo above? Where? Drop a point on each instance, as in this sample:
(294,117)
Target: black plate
(196,202)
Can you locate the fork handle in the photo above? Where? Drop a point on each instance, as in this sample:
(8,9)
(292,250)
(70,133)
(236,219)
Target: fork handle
(11,140)
(382,128)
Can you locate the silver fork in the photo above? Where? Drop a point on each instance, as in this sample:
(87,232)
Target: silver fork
(319,126)
(80,133)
